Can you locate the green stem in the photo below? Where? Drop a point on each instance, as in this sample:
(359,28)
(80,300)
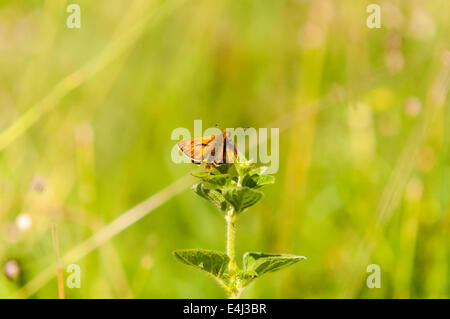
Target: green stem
(231,233)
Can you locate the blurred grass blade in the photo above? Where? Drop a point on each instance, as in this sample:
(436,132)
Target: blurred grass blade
(111,52)
(121,223)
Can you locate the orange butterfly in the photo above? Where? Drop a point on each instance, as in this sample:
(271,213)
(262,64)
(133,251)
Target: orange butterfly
(214,150)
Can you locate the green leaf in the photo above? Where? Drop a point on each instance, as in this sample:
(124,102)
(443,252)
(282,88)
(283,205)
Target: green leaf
(220,179)
(259,170)
(241,158)
(242,197)
(223,168)
(243,166)
(213,262)
(247,275)
(201,174)
(261,263)
(256,181)
(212,195)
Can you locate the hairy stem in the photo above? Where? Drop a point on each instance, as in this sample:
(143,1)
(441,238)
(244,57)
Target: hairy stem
(231,233)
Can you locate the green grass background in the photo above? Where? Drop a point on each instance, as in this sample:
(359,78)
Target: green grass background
(364,143)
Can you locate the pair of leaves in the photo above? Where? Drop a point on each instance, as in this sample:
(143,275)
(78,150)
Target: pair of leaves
(213,179)
(222,190)
(216,263)
(221,180)
(239,197)
(233,184)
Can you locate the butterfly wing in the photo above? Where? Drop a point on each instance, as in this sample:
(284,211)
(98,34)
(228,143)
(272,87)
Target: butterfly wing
(213,153)
(214,149)
(230,152)
(195,148)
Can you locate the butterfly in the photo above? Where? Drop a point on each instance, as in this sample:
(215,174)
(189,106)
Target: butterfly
(214,150)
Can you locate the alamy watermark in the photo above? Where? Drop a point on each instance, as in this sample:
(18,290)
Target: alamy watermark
(74,279)
(74,19)
(374,18)
(374,279)
(257,146)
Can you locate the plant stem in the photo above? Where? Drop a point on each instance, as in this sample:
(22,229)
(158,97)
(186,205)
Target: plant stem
(231,233)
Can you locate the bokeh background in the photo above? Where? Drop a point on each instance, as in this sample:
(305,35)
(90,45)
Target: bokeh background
(86,117)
